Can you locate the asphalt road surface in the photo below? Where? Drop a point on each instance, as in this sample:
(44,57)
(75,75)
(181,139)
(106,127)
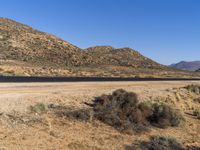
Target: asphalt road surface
(86,79)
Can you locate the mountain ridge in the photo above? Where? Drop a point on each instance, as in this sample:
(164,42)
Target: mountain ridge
(27,51)
(187,65)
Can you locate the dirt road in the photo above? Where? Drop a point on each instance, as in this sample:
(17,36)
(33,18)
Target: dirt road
(17,96)
(6,88)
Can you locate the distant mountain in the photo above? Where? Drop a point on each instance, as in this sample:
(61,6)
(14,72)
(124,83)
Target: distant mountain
(29,52)
(184,65)
(198,70)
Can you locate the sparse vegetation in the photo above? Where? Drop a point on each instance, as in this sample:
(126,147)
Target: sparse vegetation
(197,100)
(123,111)
(193,88)
(164,116)
(111,116)
(161,143)
(70,112)
(80,114)
(197,113)
(157,143)
(39,108)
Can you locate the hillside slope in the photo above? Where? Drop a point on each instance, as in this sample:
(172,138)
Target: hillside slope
(29,52)
(21,42)
(107,55)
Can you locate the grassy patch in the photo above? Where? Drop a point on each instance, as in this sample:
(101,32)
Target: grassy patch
(39,108)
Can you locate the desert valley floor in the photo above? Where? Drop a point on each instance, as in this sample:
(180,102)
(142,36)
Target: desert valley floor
(20,129)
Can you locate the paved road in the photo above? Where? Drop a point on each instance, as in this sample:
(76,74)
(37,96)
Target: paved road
(86,79)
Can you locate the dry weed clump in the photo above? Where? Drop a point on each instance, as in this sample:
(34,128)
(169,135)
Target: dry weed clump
(123,111)
(161,143)
(196,113)
(119,109)
(70,112)
(193,88)
(79,114)
(197,100)
(164,116)
(15,119)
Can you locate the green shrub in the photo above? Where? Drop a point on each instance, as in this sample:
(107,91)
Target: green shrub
(39,107)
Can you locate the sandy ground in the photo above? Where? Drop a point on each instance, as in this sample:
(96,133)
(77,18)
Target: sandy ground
(61,134)
(18,96)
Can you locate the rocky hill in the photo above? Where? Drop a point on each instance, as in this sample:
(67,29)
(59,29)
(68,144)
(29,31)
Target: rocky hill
(184,65)
(26,51)
(21,42)
(107,55)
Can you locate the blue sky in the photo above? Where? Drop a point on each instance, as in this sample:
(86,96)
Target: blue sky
(167,31)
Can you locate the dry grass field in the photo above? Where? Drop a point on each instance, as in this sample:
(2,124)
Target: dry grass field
(29,115)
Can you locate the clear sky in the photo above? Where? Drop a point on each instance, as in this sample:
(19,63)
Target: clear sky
(167,31)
